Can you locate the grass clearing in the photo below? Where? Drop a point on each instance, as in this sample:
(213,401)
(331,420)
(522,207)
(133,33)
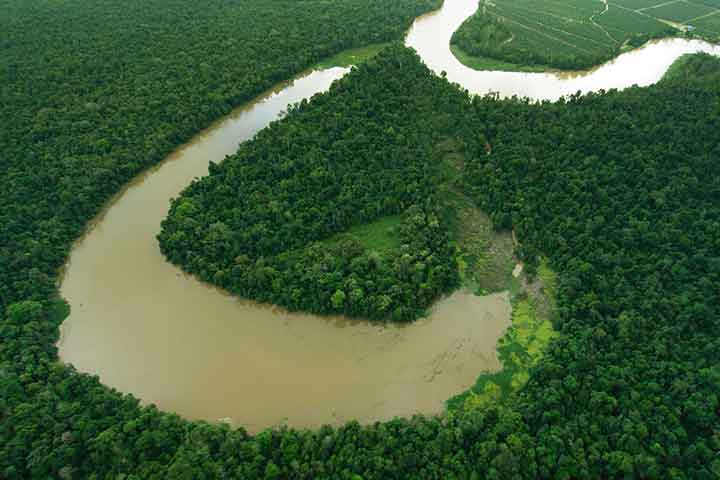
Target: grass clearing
(354,56)
(381,235)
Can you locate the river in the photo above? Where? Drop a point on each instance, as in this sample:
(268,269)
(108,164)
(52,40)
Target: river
(146,328)
(430,37)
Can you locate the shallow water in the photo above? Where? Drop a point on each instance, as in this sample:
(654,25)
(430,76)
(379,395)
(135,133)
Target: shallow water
(146,328)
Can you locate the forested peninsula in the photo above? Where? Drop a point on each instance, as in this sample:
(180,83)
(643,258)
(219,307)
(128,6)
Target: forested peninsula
(619,190)
(263,224)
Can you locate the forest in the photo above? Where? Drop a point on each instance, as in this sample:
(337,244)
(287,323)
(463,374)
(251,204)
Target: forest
(254,226)
(629,389)
(618,190)
(95,104)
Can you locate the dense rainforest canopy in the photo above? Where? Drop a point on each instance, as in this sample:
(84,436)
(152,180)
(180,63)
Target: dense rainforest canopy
(93,92)
(255,225)
(620,190)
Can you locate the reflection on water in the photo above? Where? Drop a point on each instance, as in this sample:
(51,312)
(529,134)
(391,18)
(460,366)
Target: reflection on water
(430,37)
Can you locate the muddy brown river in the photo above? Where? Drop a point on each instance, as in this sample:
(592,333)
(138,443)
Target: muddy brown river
(146,328)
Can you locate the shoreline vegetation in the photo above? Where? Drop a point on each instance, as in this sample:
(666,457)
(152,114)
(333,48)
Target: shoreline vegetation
(491,64)
(522,346)
(488,264)
(504,36)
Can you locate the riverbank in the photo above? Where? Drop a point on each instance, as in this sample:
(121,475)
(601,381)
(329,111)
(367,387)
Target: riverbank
(175,333)
(488,264)
(492,64)
(504,36)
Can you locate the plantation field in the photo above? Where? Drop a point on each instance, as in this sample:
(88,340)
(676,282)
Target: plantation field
(709,25)
(699,16)
(577,34)
(637,4)
(680,11)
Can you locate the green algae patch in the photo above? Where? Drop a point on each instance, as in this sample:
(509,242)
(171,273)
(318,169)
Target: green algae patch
(522,346)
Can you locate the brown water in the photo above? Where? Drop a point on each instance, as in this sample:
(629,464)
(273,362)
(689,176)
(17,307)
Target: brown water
(146,328)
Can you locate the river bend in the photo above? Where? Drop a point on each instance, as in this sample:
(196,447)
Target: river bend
(147,328)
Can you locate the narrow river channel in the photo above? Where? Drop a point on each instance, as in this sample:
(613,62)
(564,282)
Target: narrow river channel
(146,328)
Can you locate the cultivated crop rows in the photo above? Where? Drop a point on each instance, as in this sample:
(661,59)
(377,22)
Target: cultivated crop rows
(590,29)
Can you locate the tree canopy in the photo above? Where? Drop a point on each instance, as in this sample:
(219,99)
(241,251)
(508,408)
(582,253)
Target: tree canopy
(255,226)
(94,92)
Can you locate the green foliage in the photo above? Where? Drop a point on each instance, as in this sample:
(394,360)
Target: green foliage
(680,11)
(262,219)
(484,255)
(381,235)
(695,68)
(568,35)
(618,202)
(93,92)
(708,26)
(522,346)
(477,62)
